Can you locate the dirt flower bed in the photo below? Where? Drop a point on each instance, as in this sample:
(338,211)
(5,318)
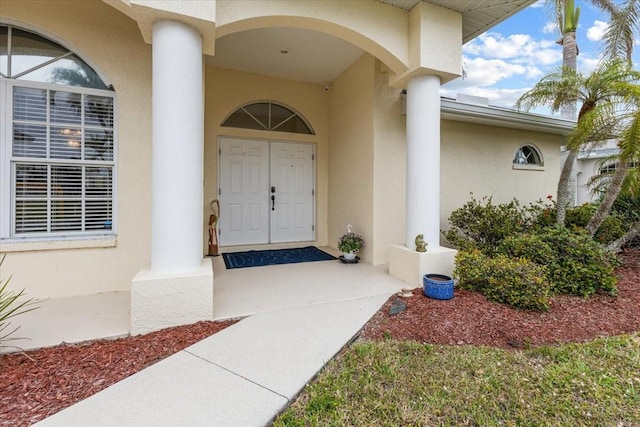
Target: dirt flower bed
(49,380)
(469,318)
(39,383)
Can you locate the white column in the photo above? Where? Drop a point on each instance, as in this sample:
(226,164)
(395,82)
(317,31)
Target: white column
(178,149)
(423,160)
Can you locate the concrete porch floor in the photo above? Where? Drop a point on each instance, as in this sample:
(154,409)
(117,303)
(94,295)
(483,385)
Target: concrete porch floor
(237,293)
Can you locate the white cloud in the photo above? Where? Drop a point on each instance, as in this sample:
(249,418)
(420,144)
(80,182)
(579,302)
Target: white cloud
(587,64)
(597,30)
(539,3)
(550,27)
(487,72)
(518,47)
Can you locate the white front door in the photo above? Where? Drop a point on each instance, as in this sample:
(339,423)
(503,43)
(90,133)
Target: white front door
(292,192)
(266,192)
(244,192)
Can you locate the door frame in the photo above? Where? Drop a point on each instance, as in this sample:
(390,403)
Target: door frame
(313,184)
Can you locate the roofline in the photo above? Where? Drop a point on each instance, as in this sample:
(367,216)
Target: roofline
(489,26)
(503,117)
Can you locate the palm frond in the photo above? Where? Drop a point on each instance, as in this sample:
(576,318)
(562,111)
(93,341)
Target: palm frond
(619,39)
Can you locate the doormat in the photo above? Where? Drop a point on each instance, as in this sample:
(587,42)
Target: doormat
(274,256)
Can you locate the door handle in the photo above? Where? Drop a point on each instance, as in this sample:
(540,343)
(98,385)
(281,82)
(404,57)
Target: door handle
(273,203)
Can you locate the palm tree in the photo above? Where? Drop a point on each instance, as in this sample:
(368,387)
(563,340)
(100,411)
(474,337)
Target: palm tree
(618,40)
(628,119)
(601,94)
(568,15)
(623,25)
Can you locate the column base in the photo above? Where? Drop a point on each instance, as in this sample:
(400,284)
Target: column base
(410,266)
(161,300)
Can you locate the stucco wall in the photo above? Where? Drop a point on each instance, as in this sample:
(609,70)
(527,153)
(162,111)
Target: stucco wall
(227,90)
(587,168)
(479,159)
(351,132)
(389,181)
(112,43)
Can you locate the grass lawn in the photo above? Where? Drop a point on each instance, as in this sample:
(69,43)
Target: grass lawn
(393,383)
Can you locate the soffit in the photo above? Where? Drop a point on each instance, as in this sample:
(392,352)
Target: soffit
(319,58)
(477,15)
(503,117)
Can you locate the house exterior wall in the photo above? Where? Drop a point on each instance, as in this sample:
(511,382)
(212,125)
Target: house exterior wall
(226,91)
(587,169)
(351,133)
(360,142)
(389,162)
(479,159)
(112,44)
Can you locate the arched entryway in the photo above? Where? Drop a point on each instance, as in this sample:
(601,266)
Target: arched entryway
(266,187)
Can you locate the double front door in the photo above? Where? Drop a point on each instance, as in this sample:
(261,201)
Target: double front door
(266,192)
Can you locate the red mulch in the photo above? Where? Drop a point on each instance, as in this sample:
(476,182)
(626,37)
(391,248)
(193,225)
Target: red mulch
(469,318)
(49,380)
(39,383)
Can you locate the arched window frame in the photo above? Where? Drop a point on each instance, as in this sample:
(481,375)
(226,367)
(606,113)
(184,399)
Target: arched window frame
(267,123)
(79,142)
(528,157)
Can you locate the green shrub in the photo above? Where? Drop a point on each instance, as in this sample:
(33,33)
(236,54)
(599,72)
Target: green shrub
(612,227)
(576,264)
(517,282)
(10,306)
(580,216)
(581,266)
(483,225)
(528,245)
(627,207)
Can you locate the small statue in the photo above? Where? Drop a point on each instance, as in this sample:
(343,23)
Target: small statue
(421,245)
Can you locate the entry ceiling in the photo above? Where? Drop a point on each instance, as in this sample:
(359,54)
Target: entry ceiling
(310,56)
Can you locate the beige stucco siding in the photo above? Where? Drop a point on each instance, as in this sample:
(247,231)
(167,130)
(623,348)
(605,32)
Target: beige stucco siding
(479,159)
(389,162)
(351,130)
(112,43)
(226,91)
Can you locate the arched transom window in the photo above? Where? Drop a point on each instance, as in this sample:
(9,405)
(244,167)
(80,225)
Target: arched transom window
(268,116)
(57,159)
(528,155)
(28,56)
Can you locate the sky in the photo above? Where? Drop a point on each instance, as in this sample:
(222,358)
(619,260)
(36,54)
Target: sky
(513,56)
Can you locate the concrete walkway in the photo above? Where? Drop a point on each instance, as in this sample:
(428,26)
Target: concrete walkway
(242,376)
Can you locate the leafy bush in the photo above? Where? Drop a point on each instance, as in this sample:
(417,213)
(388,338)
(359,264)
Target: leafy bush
(612,227)
(10,307)
(627,207)
(576,264)
(481,224)
(517,282)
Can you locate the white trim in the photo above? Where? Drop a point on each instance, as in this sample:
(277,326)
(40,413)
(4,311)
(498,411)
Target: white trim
(270,101)
(6,111)
(7,173)
(502,117)
(47,245)
(528,167)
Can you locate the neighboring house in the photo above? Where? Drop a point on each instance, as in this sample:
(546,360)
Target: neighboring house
(590,164)
(120,120)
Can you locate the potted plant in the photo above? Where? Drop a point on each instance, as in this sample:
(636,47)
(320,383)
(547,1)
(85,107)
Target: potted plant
(350,244)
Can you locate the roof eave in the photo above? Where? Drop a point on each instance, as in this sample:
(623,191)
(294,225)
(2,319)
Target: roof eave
(511,119)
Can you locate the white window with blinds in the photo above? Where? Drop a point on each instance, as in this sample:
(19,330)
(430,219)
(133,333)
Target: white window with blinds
(57,148)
